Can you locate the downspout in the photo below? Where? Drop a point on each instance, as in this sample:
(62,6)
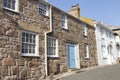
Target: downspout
(97,43)
(46,65)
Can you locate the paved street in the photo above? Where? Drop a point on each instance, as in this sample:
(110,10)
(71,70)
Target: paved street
(101,73)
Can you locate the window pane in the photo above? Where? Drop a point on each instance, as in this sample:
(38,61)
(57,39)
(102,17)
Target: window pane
(30,49)
(22,48)
(5,1)
(9,5)
(23,34)
(63,20)
(13,1)
(30,37)
(23,51)
(86,53)
(33,36)
(34,41)
(26,50)
(27,35)
(23,39)
(26,39)
(13,6)
(33,49)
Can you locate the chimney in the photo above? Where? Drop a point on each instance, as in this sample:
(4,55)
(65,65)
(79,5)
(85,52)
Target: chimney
(75,11)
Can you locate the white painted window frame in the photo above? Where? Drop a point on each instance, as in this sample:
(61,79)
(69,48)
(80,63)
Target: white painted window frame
(86,47)
(65,21)
(56,51)
(40,3)
(36,54)
(84,28)
(16,6)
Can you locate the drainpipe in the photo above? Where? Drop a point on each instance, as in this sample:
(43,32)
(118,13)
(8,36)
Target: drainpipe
(46,65)
(97,43)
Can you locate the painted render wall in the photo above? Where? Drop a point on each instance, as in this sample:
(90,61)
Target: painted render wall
(118,45)
(106,39)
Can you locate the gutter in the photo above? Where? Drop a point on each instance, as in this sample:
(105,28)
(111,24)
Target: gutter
(46,66)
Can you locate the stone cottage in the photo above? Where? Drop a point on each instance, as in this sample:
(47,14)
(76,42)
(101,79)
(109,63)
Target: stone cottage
(75,42)
(37,39)
(23,26)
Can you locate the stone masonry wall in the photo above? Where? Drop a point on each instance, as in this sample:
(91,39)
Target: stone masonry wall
(91,41)
(13,66)
(73,35)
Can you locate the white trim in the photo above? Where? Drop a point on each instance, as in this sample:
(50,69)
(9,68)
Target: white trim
(56,52)
(84,27)
(46,10)
(87,54)
(77,57)
(16,6)
(46,14)
(36,47)
(66,25)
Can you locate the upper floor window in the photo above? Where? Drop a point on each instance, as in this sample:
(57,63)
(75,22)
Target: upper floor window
(84,29)
(64,21)
(107,33)
(11,5)
(103,32)
(52,47)
(86,51)
(42,9)
(29,44)
(103,48)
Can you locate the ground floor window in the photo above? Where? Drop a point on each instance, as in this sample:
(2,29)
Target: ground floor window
(29,43)
(86,51)
(52,47)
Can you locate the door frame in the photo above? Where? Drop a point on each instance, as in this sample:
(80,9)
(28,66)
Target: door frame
(77,58)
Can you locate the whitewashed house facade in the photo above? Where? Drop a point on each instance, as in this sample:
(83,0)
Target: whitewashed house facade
(106,44)
(116,31)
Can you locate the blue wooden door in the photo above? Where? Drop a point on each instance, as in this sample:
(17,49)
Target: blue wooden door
(71,55)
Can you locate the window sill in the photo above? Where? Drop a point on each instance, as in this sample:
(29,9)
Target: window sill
(64,28)
(85,35)
(87,58)
(11,10)
(52,56)
(44,15)
(29,55)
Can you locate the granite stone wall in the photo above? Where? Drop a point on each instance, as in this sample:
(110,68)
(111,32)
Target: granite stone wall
(72,35)
(14,66)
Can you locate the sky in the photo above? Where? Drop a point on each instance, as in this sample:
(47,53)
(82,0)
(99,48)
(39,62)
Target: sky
(107,11)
